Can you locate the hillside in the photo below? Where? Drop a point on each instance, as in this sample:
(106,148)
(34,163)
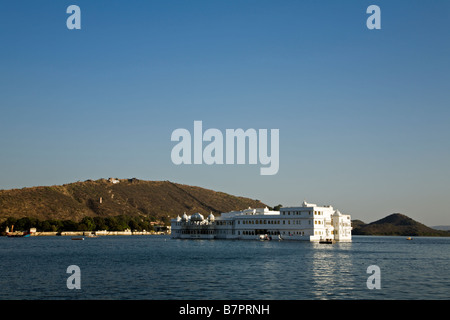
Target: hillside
(446,228)
(103,198)
(395,225)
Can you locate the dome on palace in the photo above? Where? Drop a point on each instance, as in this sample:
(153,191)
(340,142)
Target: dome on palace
(178,219)
(337,213)
(211,217)
(184,217)
(197,217)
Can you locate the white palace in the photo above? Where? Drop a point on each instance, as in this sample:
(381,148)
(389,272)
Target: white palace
(308,222)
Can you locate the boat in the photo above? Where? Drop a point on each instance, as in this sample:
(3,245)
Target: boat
(409,238)
(328,241)
(18,235)
(264,237)
(78,238)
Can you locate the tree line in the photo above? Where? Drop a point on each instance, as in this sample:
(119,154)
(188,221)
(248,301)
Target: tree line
(117,223)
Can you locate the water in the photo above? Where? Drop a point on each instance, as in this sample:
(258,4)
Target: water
(157,267)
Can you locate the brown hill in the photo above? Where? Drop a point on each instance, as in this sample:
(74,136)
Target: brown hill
(127,197)
(396,224)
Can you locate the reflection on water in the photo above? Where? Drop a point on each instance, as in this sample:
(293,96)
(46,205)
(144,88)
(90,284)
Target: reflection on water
(332,268)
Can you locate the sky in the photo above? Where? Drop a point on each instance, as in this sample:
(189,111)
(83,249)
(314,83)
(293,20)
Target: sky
(363,115)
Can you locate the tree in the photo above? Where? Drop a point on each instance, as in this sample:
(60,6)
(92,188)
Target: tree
(165,220)
(134,225)
(100,223)
(117,223)
(278,207)
(46,226)
(69,225)
(82,227)
(8,223)
(88,223)
(23,224)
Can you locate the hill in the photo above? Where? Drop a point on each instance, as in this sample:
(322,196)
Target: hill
(395,224)
(114,197)
(446,228)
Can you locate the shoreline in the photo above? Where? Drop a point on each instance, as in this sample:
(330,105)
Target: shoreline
(89,233)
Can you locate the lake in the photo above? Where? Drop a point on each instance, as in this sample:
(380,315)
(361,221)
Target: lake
(158,267)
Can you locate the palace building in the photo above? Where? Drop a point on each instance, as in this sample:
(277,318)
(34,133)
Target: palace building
(308,222)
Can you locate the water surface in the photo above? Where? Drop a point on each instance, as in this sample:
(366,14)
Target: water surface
(158,267)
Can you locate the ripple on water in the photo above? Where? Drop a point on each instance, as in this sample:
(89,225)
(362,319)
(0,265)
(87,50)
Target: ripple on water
(157,267)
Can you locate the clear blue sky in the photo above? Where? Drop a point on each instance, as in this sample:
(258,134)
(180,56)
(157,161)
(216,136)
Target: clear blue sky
(363,114)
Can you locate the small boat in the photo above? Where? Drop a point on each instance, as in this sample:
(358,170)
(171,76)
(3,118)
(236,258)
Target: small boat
(329,241)
(264,237)
(78,238)
(18,235)
(409,238)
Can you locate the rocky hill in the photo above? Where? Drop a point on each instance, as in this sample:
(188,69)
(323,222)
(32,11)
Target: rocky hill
(114,197)
(395,224)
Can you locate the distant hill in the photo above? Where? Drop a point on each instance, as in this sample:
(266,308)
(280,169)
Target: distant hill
(356,224)
(106,198)
(446,228)
(395,224)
